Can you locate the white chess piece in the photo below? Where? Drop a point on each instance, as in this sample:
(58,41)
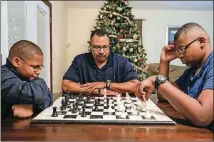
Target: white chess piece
(148,114)
(105,93)
(123,115)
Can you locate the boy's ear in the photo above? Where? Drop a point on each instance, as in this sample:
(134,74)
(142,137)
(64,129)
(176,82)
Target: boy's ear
(16,61)
(202,41)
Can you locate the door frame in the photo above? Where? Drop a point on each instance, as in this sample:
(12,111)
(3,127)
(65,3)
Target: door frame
(50,16)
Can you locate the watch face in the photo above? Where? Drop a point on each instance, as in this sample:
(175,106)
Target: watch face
(161,77)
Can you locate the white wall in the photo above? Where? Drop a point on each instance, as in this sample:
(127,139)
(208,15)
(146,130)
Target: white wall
(59,43)
(154,27)
(81,22)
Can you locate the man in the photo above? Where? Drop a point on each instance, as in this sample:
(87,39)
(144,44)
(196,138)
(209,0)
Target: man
(192,94)
(101,69)
(22,91)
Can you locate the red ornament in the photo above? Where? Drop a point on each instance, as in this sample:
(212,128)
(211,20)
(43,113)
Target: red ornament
(118,36)
(121,30)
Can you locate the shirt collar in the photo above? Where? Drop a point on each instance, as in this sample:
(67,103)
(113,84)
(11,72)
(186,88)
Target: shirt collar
(109,60)
(12,68)
(207,62)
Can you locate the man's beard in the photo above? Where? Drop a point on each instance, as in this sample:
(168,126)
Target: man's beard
(101,58)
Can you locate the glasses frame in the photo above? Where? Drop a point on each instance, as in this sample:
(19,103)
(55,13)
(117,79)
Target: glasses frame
(182,49)
(35,68)
(98,47)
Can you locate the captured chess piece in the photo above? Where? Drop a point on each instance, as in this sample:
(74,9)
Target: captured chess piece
(54,114)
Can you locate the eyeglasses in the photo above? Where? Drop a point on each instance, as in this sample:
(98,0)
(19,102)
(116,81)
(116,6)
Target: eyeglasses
(36,68)
(182,49)
(97,47)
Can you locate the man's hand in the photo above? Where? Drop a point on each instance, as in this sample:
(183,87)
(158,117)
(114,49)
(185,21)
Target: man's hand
(145,88)
(87,88)
(168,53)
(100,85)
(22,111)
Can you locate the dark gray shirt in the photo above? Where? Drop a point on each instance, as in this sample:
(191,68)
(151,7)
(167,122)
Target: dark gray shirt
(84,70)
(16,89)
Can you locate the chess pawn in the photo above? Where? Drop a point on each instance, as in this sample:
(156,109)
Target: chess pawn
(54,114)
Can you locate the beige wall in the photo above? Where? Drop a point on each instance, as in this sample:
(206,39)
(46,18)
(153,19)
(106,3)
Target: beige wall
(59,42)
(81,22)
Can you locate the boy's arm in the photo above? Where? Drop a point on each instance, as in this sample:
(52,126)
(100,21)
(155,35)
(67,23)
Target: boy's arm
(17,91)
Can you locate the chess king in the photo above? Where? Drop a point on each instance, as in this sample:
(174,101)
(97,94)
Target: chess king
(99,69)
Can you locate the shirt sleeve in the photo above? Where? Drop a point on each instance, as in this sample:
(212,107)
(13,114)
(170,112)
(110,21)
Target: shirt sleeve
(127,71)
(16,91)
(209,80)
(72,73)
(180,81)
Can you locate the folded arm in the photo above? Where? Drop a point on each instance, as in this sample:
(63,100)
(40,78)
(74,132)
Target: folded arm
(16,91)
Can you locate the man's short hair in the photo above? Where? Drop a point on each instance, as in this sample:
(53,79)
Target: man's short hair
(98,32)
(24,49)
(186,28)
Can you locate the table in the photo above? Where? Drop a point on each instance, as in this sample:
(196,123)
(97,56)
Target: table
(16,129)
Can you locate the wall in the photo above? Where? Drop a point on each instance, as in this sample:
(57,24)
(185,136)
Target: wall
(59,43)
(81,22)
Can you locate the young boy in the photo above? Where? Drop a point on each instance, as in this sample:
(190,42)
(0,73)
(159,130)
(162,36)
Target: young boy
(23,93)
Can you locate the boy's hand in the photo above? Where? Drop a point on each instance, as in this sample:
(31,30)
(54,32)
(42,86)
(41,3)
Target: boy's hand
(145,88)
(168,53)
(22,111)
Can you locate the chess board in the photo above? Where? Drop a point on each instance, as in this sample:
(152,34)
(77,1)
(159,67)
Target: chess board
(110,110)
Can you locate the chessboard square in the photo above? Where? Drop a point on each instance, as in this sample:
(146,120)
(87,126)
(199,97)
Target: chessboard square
(119,117)
(88,109)
(79,117)
(144,118)
(109,117)
(96,113)
(108,113)
(96,117)
(135,117)
(120,113)
(100,107)
(89,105)
(61,112)
(70,116)
(88,113)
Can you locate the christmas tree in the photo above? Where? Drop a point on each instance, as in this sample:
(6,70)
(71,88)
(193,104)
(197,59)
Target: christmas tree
(116,19)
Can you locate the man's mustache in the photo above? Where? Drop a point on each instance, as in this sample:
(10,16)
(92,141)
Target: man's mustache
(101,55)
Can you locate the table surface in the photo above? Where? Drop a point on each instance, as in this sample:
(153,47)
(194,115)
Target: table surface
(21,129)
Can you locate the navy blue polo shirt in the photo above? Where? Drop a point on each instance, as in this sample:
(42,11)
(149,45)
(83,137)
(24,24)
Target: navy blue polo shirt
(193,85)
(84,70)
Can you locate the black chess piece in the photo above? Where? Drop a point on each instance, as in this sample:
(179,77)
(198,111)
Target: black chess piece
(83,113)
(87,99)
(74,110)
(63,101)
(98,101)
(99,90)
(54,114)
(63,104)
(107,101)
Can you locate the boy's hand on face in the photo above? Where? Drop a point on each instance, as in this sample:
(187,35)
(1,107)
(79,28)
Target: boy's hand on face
(168,53)
(22,111)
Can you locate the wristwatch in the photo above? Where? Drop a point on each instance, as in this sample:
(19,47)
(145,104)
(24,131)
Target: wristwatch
(160,79)
(108,82)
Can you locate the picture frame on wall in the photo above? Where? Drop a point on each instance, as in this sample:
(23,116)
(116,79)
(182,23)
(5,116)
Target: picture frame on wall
(170,33)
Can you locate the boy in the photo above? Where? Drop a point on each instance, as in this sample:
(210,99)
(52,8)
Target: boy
(22,91)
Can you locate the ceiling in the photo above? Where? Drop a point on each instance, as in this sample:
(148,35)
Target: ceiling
(149,5)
